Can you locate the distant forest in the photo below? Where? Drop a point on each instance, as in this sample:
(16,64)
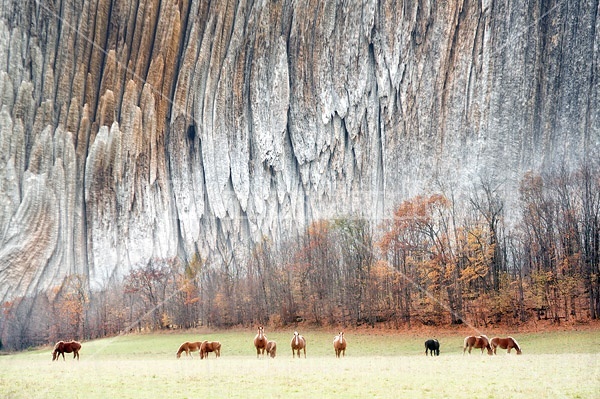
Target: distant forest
(434,261)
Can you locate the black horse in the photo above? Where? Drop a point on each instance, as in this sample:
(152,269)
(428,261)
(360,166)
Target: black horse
(433,346)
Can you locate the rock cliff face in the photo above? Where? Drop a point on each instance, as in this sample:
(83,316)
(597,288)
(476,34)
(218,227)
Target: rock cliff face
(132,129)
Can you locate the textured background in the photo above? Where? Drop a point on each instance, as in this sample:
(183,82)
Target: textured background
(138,129)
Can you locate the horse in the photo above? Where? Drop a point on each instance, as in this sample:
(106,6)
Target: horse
(260,342)
(210,346)
(339,344)
(188,348)
(481,341)
(505,343)
(298,343)
(271,348)
(61,347)
(433,346)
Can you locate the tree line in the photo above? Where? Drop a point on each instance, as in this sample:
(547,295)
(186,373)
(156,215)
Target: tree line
(436,260)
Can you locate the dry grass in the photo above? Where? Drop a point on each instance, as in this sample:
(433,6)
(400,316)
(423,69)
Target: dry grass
(385,366)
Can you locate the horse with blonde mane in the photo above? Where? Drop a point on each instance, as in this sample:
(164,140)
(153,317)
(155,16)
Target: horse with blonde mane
(188,348)
(481,341)
(339,344)
(61,347)
(260,342)
(210,346)
(271,348)
(505,343)
(298,343)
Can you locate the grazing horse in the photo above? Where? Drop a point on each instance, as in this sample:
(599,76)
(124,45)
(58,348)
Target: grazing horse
(433,346)
(272,348)
(188,348)
(298,343)
(505,343)
(481,341)
(61,347)
(339,344)
(260,342)
(210,346)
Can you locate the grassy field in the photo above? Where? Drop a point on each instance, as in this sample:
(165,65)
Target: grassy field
(377,364)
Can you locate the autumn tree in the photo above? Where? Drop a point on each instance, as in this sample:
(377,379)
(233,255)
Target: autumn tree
(317,280)
(558,227)
(403,247)
(70,306)
(442,269)
(147,288)
(186,309)
(107,311)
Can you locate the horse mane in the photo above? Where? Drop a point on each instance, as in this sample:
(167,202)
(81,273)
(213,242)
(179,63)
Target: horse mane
(516,343)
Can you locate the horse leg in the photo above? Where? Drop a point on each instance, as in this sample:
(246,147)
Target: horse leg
(304,353)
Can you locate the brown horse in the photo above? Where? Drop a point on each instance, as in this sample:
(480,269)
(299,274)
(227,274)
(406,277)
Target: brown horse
(260,342)
(481,341)
(505,343)
(188,348)
(339,344)
(210,346)
(61,347)
(298,343)
(271,348)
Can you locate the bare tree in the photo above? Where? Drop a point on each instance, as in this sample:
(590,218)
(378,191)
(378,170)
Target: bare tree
(356,241)
(486,199)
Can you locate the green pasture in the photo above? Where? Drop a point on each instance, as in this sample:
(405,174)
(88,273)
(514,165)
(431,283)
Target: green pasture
(377,365)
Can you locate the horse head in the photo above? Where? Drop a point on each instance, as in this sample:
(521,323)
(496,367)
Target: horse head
(260,336)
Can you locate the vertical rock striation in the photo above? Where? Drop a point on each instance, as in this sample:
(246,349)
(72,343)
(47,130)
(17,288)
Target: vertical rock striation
(146,128)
